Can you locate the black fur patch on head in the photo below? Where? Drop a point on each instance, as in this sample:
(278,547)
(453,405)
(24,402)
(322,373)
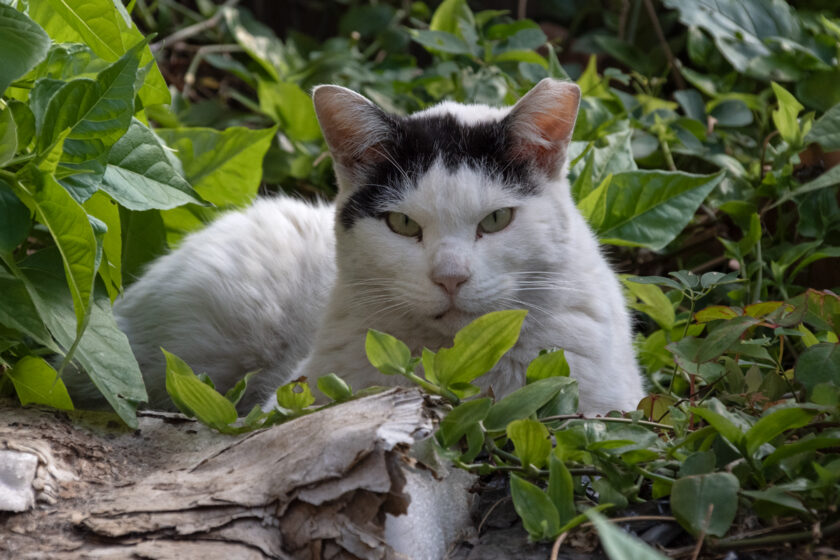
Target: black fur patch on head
(417,143)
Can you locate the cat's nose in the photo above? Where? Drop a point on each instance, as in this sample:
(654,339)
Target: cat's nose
(450,281)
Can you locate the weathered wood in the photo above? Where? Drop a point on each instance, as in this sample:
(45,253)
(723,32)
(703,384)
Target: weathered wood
(319,486)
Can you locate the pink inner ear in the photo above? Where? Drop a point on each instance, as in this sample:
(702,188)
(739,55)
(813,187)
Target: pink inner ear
(543,122)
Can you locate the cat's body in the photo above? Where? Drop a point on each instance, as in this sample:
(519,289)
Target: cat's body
(441,217)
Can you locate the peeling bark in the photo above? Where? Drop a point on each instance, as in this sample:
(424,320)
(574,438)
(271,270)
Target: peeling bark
(319,486)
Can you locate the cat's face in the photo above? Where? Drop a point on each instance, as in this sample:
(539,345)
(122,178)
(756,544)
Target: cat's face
(449,213)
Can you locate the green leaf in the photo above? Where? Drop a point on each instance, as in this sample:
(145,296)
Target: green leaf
(699,462)
(8,134)
(18,312)
(195,398)
(235,393)
(534,507)
(818,364)
(24,123)
(618,544)
(107,29)
(334,387)
(441,41)
(723,424)
(68,224)
(101,207)
(646,208)
(143,240)
(561,489)
(139,175)
(97,112)
(14,219)
(524,402)
(259,41)
(649,299)
(826,130)
(705,503)
(290,106)
(225,168)
(386,353)
(449,14)
(530,441)
(774,423)
(550,364)
(103,349)
(23,44)
(719,339)
(295,396)
(36,382)
(461,419)
(478,346)
(785,116)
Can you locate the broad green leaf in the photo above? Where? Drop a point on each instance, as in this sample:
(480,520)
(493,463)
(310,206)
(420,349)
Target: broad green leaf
(478,346)
(658,280)
(646,208)
(259,41)
(699,462)
(649,299)
(8,134)
(777,496)
(291,107)
(295,396)
(719,339)
(771,425)
(66,61)
(101,207)
(24,123)
(784,117)
(14,219)
(103,350)
(18,312)
(732,113)
(107,29)
(550,364)
(826,130)
(723,424)
(194,398)
(818,364)
(386,353)
(561,489)
(610,154)
(334,387)
(705,503)
(139,175)
(460,420)
(97,112)
(618,544)
(524,402)
(68,224)
(441,41)
(23,44)
(449,14)
(538,514)
(36,382)
(530,441)
(143,240)
(225,168)
(714,313)
(808,444)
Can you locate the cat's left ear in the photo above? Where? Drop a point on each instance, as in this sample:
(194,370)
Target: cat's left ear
(541,124)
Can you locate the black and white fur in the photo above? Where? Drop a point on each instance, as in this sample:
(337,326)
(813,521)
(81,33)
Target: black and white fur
(291,288)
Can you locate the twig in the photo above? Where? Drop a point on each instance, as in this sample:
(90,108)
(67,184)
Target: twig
(667,48)
(521,9)
(702,536)
(489,511)
(558,542)
(735,542)
(200,54)
(194,29)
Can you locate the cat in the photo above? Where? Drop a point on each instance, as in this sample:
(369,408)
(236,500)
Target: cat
(440,217)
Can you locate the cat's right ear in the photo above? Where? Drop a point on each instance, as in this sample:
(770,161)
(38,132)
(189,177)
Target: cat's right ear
(355,129)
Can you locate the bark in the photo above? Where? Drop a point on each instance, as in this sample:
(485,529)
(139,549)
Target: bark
(319,486)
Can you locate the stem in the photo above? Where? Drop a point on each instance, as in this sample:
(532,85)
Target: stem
(194,29)
(608,419)
(431,388)
(734,542)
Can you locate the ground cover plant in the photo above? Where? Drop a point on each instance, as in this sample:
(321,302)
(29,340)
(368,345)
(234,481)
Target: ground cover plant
(704,156)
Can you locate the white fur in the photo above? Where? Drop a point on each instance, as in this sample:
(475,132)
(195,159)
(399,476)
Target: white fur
(268,286)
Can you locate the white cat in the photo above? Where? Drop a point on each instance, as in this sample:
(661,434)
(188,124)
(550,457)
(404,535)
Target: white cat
(440,217)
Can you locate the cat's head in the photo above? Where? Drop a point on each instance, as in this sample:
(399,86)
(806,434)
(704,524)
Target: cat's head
(451,212)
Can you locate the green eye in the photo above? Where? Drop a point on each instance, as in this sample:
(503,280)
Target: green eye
(496,221)
(403,225)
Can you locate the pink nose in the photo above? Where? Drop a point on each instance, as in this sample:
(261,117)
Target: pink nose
(450,282)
